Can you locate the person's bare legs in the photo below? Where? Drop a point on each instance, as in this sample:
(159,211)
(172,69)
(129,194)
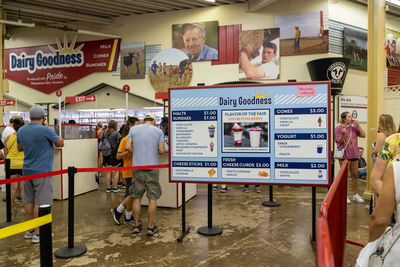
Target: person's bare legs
(152,210)
(108,179)
(127,203)
(31,212)
(353,166)
(116,179)
(136,209)
(14,188)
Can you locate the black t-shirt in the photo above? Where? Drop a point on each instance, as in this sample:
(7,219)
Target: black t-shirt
(362,163)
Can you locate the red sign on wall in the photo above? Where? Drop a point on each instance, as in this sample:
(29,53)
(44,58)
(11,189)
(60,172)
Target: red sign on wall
(9,102)
(78,99)
(48,68)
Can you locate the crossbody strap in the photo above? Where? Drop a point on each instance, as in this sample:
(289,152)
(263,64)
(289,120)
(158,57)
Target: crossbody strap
(348,141)
(394,239)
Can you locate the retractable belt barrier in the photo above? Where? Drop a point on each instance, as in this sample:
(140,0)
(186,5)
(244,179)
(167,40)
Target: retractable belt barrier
(107,169)
(24,226)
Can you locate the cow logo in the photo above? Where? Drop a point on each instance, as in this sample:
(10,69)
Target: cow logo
(354,114)
(336,72)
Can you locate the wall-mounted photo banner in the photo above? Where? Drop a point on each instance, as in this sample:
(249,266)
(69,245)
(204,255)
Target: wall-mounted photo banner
(355,105)
(132,63)
(259,54)
(51,67)
(355,46)
(170,68)
(199,40)
(303,34)
(392,47)
(255,134)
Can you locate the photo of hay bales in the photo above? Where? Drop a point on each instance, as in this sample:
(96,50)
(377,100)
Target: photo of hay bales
(355,46)
(259,54)
(303,34)
(132,62)
(170,68)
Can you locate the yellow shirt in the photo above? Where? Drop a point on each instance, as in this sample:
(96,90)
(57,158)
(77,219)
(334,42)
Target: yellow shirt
(127,159)
(297,34)
(16,157)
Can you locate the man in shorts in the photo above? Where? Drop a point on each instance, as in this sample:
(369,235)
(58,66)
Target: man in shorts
(36,140)
(145,141)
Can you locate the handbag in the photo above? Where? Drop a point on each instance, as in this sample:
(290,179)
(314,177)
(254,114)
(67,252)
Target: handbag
(339,153)
(384,245)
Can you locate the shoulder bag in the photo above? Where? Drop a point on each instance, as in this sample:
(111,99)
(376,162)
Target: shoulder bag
(384,245)
(339,153)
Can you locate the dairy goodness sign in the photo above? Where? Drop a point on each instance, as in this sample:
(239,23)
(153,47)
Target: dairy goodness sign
(51,67)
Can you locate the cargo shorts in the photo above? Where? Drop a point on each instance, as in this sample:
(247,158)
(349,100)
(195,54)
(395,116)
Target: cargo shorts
(39,191)
(145,180)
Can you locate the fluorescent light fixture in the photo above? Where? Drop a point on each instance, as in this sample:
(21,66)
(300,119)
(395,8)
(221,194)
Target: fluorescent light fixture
(98,34)
(393,2)
(212,1)
(17,23)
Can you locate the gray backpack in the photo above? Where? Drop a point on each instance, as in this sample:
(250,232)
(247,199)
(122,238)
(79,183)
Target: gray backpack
(106,146)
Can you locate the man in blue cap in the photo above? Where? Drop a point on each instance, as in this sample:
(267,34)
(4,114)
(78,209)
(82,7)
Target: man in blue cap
(37,140)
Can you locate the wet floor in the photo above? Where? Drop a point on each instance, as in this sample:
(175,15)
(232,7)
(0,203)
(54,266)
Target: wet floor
(253,235)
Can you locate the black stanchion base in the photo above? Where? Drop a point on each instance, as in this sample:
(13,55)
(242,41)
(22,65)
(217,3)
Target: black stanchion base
(209,231)
(6,224)
(67,253)
(182,235)
(313,242)
(270,203)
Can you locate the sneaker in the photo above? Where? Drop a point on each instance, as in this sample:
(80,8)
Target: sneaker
(108,190)
(131,221)
(358,199)
(215,187)
(246,190)
(224,189)
(348,200)
(116,215)
(36,238)
(115,190)
(29,234)
(258,189)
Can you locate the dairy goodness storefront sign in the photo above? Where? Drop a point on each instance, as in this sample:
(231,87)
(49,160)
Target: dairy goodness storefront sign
(51,67)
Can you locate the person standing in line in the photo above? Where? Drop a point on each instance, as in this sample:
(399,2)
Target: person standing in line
(246,188)
(9,129)
(346,136)
(16,160)
(362,164)
(126,156)
(37,140)
(386,127)
(296,45)
(111,136)
(145,141)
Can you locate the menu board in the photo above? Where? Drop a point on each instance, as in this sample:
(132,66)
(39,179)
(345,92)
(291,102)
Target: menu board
(251,133)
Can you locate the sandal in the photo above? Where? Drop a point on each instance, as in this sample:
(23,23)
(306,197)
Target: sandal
(136,229)
(152,231)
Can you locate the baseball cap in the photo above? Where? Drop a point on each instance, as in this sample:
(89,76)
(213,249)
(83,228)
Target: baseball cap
(36,112)
(192,25)
(149,116)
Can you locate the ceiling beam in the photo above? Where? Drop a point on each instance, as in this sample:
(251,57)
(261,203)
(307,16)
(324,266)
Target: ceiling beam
(32,9)
(255,5)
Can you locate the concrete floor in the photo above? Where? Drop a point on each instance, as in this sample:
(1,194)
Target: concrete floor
(253,235)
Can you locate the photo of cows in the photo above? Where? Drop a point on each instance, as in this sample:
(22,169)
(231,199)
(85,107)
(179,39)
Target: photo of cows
(132,63)
(355,46)
(170,68)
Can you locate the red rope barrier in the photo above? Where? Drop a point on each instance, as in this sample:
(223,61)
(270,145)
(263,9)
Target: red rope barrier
(2,162)
(47,174)
(31,177)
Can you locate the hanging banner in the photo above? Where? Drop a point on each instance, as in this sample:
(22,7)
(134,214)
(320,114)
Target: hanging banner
(79,99)
(256,134)
(51,67)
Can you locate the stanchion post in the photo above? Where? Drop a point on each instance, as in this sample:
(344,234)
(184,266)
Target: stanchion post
(185,230)
(313,215)
(8,191)
(46,245)
(209,230)
(271,202)
(72,250)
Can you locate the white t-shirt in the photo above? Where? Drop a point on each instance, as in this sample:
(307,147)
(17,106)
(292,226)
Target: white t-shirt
(7,131)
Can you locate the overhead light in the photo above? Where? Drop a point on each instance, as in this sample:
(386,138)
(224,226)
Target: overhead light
(212,1)
(17,23)
(98,34)
(393,2)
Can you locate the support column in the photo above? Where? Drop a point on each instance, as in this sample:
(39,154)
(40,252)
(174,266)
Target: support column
(376,70)
(2,81)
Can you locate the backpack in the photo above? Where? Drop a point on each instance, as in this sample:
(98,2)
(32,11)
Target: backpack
(106,146)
